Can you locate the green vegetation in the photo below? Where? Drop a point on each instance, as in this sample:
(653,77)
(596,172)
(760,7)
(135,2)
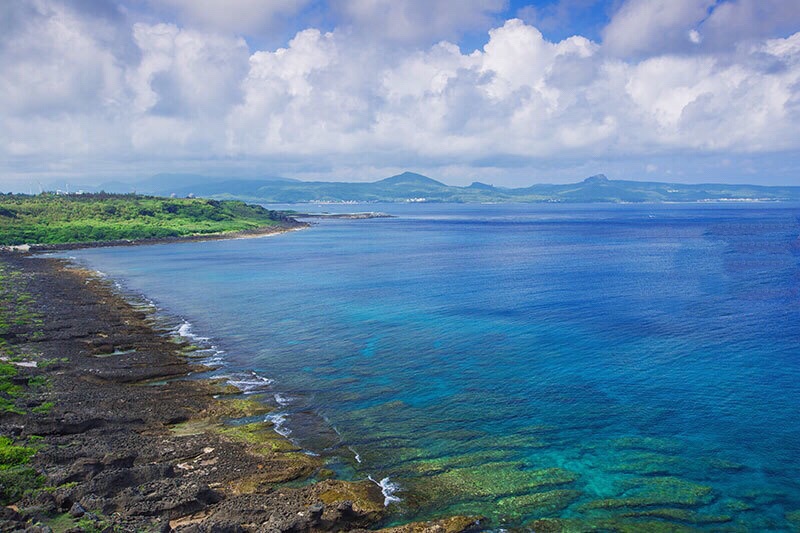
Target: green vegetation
(9,391)
(53,219)
(15,311)
(11,455)
(16,477)
(93,523)
(44,408)
(38,382)
(46,363)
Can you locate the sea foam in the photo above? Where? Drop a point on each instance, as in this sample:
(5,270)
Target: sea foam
(388,489)
(278,420)
(249,382)
(282,399)
(185,331)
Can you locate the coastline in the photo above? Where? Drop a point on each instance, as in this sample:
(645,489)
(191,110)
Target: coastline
(283,227)
(126,442)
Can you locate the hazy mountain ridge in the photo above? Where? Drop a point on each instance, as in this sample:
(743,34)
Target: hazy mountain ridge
(411,187)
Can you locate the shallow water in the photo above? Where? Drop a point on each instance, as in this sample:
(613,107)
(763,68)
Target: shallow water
(611,364)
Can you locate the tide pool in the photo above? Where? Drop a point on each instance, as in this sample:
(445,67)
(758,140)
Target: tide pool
(626,366)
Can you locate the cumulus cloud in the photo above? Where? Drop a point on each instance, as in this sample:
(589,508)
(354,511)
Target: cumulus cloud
(736,20)
(70,96)
(183,72)
(642,27)
(61,87)
(52,64)
(653,27)
(520,95)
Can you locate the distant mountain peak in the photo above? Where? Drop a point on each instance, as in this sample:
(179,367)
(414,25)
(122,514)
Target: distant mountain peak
(411,177)
(597,178)
(481,186)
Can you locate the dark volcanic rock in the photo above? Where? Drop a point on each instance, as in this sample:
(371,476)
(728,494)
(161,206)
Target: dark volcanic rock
(77,510)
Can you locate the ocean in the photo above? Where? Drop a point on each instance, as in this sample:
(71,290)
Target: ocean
(610,366)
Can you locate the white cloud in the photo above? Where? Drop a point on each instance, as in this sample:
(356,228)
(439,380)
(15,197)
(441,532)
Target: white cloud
(51,64)
(643,27)
(522,95)
(185,72)
(69,99)
(62,90)
(655,27)
(737,20)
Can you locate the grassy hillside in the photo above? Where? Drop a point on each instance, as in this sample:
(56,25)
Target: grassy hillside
(53,219)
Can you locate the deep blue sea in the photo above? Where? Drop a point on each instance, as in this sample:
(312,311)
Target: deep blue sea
(612,366)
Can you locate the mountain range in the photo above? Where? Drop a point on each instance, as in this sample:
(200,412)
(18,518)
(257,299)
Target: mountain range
(411,187)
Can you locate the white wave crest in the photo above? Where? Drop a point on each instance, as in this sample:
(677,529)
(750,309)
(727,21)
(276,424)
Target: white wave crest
(388,489)
(185,331)
(355,453)
(282,399)
(278,420)
(249,383)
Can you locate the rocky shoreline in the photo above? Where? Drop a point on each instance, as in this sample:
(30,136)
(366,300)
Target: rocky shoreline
(124,443)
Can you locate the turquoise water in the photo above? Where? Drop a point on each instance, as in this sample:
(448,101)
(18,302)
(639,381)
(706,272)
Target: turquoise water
(617,366)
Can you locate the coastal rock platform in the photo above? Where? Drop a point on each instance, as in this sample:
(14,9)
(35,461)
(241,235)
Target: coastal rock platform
(124,442)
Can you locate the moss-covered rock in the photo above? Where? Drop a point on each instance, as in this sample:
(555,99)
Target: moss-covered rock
(282,460)
(647,463)
(540,504)
(453,524)
(487,481)
(656,492)
(366,496)
(736,506)
(438,465)
(724,465)
(610,525)
(237,408)
(223,387)
(391,457)
(680,515)
(793,517)
(259,435)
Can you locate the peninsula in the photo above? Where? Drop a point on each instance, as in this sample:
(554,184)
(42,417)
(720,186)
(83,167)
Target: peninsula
(54,221)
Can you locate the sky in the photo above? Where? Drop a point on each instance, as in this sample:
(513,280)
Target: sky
(507,92)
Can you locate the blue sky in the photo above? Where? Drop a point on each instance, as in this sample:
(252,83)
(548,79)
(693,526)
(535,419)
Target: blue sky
(507,92)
